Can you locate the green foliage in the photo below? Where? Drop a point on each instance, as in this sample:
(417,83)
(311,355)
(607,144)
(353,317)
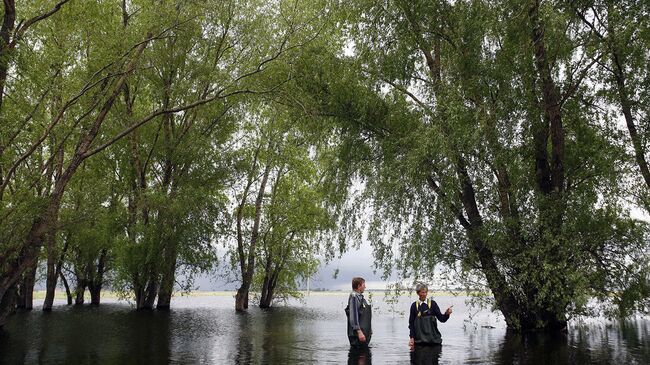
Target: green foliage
(424,141)
(420,125)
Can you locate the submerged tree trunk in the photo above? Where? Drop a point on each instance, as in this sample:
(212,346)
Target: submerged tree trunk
(248,268)
(53,270)
(80,291)
(95,293)
(268,292)
(25,296)
(96,281)
(68,294)
(241,298)
(145,292)
(168,278)
(7,304)
(50,286)
(272,272)
(265,300)
(28,253)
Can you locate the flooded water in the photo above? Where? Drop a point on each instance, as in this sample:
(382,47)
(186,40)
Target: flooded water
(206,330)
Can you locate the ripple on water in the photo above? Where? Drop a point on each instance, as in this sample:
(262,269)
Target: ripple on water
(207,330)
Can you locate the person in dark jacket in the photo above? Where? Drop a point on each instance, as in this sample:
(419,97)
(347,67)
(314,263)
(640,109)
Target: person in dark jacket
(423,328)
(359,315)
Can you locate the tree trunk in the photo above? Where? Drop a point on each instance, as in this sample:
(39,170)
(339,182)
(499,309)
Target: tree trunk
(268,295)
(28,254)
(265,302)
(271,275)
(150,299)
(168,277)
(8,24)
(146,290)
(25,296)
(145,293)
(96,281)
(550,100)
(52,272)
(80,291)
(266,299)
(626,107)
(241,299)
(95,293)
(7,304)
(50,286)
(68,294)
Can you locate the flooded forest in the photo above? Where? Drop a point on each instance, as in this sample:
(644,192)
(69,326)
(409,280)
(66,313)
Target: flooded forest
(500,147)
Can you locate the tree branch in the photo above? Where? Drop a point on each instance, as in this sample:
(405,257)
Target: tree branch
(22,27)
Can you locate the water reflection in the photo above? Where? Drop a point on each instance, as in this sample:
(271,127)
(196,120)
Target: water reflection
(244,339)
(87,335)
(268,337)
(635,335)
(624,342)
(209,333)
(279,334)
(426,355)
(360,355)
(533,348)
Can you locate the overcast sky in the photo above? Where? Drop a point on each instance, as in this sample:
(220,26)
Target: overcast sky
(352,263)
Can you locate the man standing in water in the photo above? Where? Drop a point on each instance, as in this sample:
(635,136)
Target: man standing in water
(359,315)
(423,329)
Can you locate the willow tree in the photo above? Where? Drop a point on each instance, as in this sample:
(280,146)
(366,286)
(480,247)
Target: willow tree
(226,53)
(38,117)
(91,226)
(473,129)
(296,222)
(94,61)
(274,219)
(93,76)
(171,182)
(619,31)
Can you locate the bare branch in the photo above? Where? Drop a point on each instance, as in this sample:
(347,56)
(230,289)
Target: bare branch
(573,87)
(22,27)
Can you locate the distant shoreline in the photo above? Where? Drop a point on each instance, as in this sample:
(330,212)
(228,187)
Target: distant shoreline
(40,294)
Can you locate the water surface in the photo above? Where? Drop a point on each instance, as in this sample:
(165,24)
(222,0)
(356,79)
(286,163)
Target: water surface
(206,330)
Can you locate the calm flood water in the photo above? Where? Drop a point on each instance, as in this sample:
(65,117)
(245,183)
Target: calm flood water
(207,330)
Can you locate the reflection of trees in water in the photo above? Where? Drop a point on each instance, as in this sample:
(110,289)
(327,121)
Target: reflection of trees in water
(147,337)
(244,340)
(635,339)
(280,337)
(533,348)
(152,338)
(592,344)
(285,336)
(269,337)
(16,341)
(84,335)
(623,342)
(426,355)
